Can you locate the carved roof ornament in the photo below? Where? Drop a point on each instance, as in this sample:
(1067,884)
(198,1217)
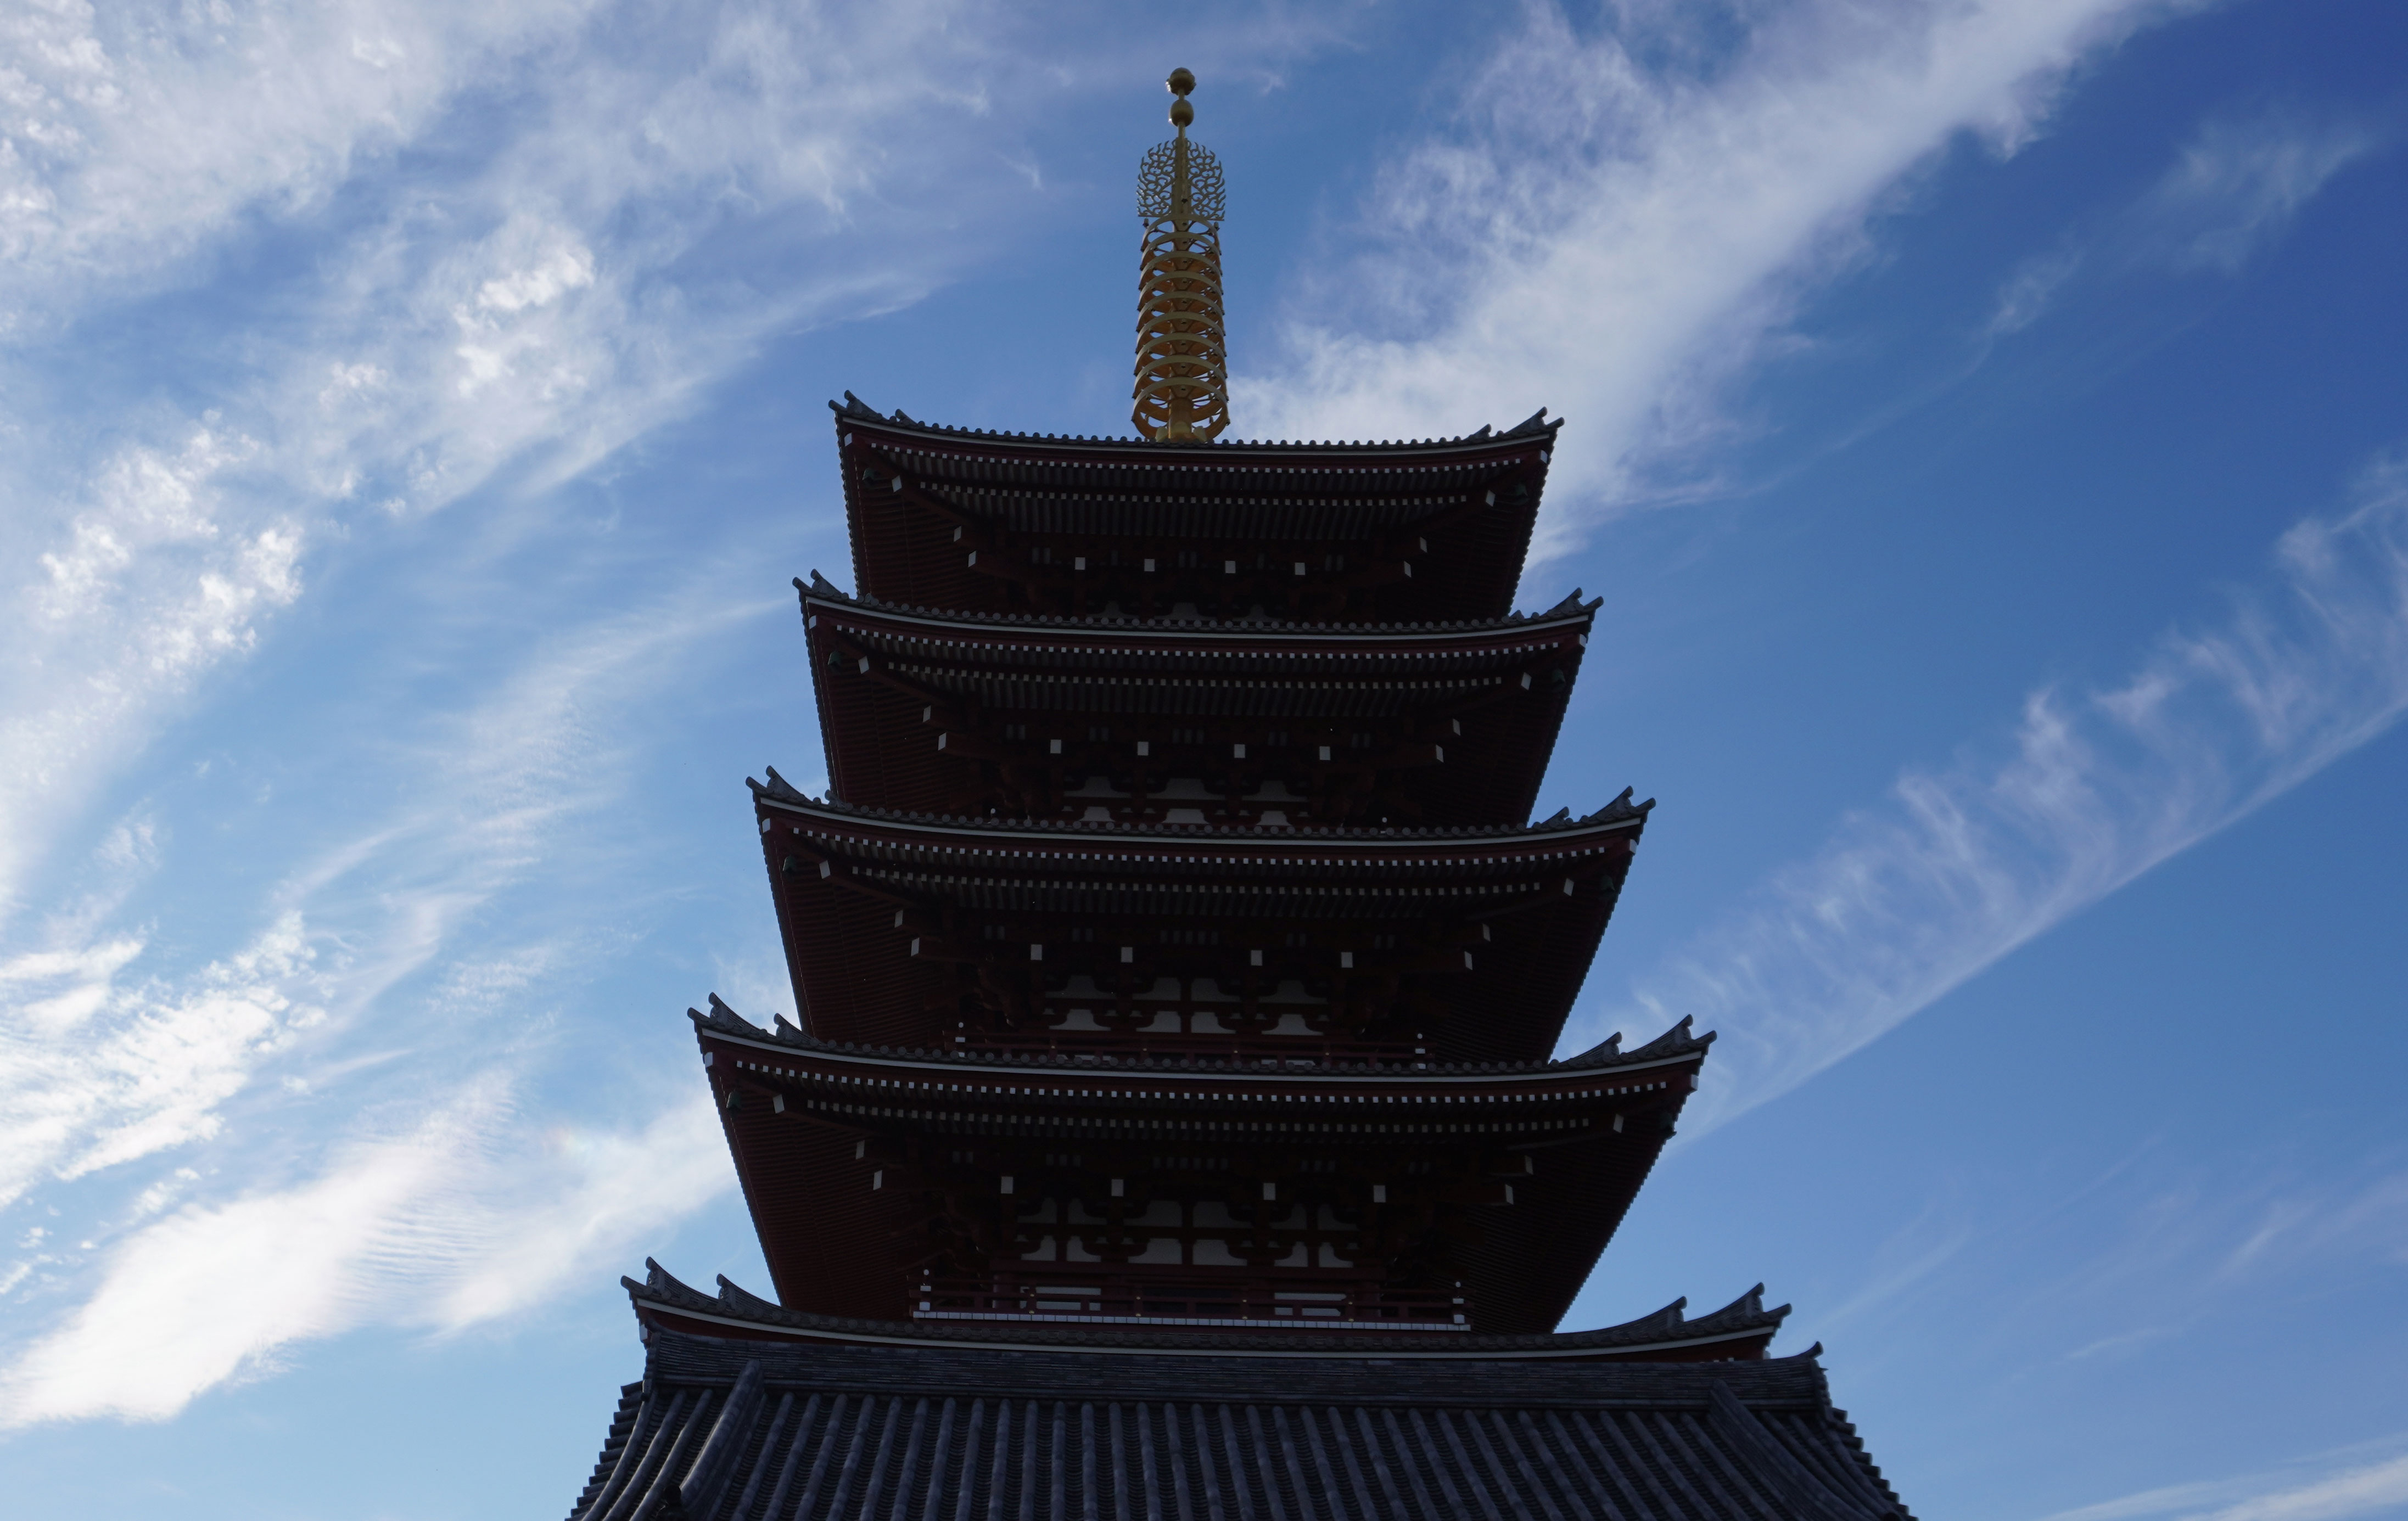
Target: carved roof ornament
(1182,362)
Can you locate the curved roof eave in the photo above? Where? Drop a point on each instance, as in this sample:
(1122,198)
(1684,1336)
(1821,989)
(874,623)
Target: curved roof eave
(1569,613)
(1618,816)
(1744,1319)
(1675,1046)
(1537,427)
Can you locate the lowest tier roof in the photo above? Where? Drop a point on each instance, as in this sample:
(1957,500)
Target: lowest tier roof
(727,1428)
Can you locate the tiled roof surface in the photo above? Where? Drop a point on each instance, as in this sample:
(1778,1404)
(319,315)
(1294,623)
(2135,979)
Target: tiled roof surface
(727,1430)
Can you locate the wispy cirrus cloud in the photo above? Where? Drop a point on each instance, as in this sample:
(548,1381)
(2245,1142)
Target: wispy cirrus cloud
(347,270)
(2031,290)
(1958,867)
(2240,181)
(540,302)
(99,1073)
(2331,1487)
(532,234)
(158,577)
(357,1168)
(1619,242)
(2081,1260)
(2236,187)
(100,1064)
(141,134)
(476,1211)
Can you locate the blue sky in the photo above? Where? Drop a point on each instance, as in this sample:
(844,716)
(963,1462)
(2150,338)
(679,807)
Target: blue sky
(1987,430)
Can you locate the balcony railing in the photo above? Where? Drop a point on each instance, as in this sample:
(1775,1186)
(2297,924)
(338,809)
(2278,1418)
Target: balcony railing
(1240,1303)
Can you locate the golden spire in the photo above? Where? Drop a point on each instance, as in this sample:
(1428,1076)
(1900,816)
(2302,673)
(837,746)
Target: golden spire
(1182,362)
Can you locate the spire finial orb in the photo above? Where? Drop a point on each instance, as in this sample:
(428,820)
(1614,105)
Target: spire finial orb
(1181,82)
(1181,113)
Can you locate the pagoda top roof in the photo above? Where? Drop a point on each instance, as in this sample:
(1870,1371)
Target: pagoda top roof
(1621,813)
(1744,1319)
(1679,1043)
(1536,427)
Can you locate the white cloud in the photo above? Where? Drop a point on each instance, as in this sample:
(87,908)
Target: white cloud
(158,577)
(2333,1488)
(555,291)
(470,1214)
(593,1196)
(522,303)
(1617,244)
(2312,1219)
(140,134)
(2361,1491)
(92,1074)
(206,1293)
(554,276)
(1958,869)
(482,1207)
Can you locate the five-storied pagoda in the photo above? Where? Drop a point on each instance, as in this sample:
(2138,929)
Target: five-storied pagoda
(1169,1132)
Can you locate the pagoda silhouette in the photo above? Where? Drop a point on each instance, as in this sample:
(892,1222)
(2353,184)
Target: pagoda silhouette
(1169,1131)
